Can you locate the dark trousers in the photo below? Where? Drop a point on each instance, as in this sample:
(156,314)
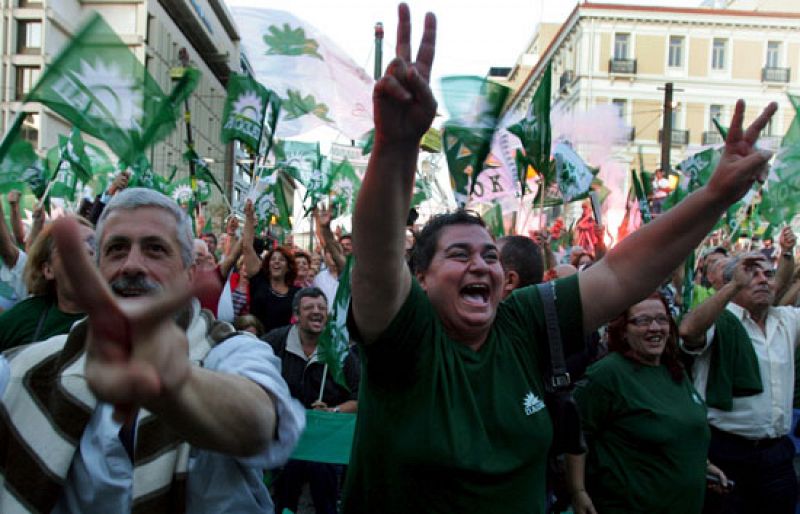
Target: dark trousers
(763,472)
(323,480)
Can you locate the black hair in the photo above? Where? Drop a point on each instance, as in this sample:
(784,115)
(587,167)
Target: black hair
(428,238)
(211,235)
(523,255)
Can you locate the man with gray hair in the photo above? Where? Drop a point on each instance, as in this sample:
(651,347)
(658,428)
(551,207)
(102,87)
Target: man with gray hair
(148,404)
(744,368)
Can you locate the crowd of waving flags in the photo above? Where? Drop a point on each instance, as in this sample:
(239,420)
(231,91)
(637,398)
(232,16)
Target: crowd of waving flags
(99,86)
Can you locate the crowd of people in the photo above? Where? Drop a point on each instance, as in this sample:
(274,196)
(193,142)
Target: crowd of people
(148,368)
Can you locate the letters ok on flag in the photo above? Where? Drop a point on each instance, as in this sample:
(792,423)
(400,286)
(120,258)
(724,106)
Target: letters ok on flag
(100,86)
(245,107)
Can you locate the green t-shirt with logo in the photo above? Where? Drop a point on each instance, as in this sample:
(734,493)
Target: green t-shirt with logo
(18,324)
(647,437)
(444,429)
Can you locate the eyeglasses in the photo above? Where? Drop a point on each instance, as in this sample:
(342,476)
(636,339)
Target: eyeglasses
(646,321)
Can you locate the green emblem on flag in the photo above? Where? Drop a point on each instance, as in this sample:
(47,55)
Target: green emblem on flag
(245,108)
(290,41)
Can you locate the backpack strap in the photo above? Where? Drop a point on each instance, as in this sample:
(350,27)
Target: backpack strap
(557,378)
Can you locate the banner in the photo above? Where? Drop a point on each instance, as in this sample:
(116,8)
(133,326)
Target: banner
(318,84)
(245,108)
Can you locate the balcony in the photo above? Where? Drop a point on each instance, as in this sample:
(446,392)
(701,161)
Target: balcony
(623,66)
(772,74)
(712,137)
(565,80)
(679,137)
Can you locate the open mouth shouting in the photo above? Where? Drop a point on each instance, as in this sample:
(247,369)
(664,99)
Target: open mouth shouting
(476,294)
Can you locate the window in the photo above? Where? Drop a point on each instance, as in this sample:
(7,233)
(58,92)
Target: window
(29,37)
(773,54)
(676,51)
(621,44)
(714,113)
(718,52)
(26,79)
(621,105)
(30,129)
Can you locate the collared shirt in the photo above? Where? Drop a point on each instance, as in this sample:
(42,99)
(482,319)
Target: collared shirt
(768,414)
(294,346)
(101,474)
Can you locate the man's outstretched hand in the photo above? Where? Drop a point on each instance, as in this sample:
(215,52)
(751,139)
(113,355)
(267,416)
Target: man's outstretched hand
(136,353)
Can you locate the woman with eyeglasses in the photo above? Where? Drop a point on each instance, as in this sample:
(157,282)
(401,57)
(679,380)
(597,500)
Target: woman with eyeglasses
(645,424)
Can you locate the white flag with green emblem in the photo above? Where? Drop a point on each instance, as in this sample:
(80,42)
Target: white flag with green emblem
(319,85)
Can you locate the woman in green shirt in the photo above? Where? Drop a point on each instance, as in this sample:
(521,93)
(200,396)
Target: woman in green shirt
(645,424)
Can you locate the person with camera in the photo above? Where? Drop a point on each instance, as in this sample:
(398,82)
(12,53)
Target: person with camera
(645,425)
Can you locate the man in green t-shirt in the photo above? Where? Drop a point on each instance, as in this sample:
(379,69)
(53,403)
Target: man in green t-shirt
(451,417)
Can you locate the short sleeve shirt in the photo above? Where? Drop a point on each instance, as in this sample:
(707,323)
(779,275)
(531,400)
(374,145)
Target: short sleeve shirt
(443,428)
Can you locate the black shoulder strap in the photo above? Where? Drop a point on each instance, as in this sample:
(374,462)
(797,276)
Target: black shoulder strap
(558,378)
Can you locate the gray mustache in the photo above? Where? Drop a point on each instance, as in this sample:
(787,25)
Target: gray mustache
(136,285)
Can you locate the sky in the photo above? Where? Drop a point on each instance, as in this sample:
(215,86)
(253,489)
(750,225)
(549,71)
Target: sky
(472,36)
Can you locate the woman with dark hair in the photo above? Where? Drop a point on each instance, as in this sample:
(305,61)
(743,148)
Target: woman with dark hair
(645,425)
(305,277)
(272,286)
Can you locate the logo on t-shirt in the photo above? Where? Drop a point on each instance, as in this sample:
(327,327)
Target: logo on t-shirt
(532,404)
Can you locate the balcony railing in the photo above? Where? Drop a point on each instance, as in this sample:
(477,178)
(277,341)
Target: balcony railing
(679,137)
(772,74)
(565,80)
(712,137)
(627,66)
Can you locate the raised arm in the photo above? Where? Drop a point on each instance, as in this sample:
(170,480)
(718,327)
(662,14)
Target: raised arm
(639,263)
(785,271)
(8,250)
(323,217)
(404,108)
(251,259)
(696,322)
(16,219)
(230,260)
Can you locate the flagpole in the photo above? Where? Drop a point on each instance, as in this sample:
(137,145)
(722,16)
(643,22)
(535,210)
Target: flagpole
(50,184)
(322,387)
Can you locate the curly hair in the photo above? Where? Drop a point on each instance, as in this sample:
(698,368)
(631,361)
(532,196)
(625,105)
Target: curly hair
(291,266)
(671,356)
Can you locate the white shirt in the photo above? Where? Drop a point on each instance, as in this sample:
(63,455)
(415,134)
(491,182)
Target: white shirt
(768,414)
(14,278)
(328,283)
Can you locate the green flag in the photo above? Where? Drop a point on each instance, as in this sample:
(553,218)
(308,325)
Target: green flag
(244,112)
(318,184)
(534,129)
(781,196)
(572,174)
(297,159)
(334,342)
(73,150)
(344,187)
(494,220)
(474,105)
(271,124)
(272,203)
(100,86)
(422,192)
(142,175)
(62,175)
(641,197)
(17,159)
(722,130)
(201,170)
(182,192)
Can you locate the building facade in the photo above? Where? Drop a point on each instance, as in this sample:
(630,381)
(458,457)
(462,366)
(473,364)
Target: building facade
(623,55)
(33,32)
